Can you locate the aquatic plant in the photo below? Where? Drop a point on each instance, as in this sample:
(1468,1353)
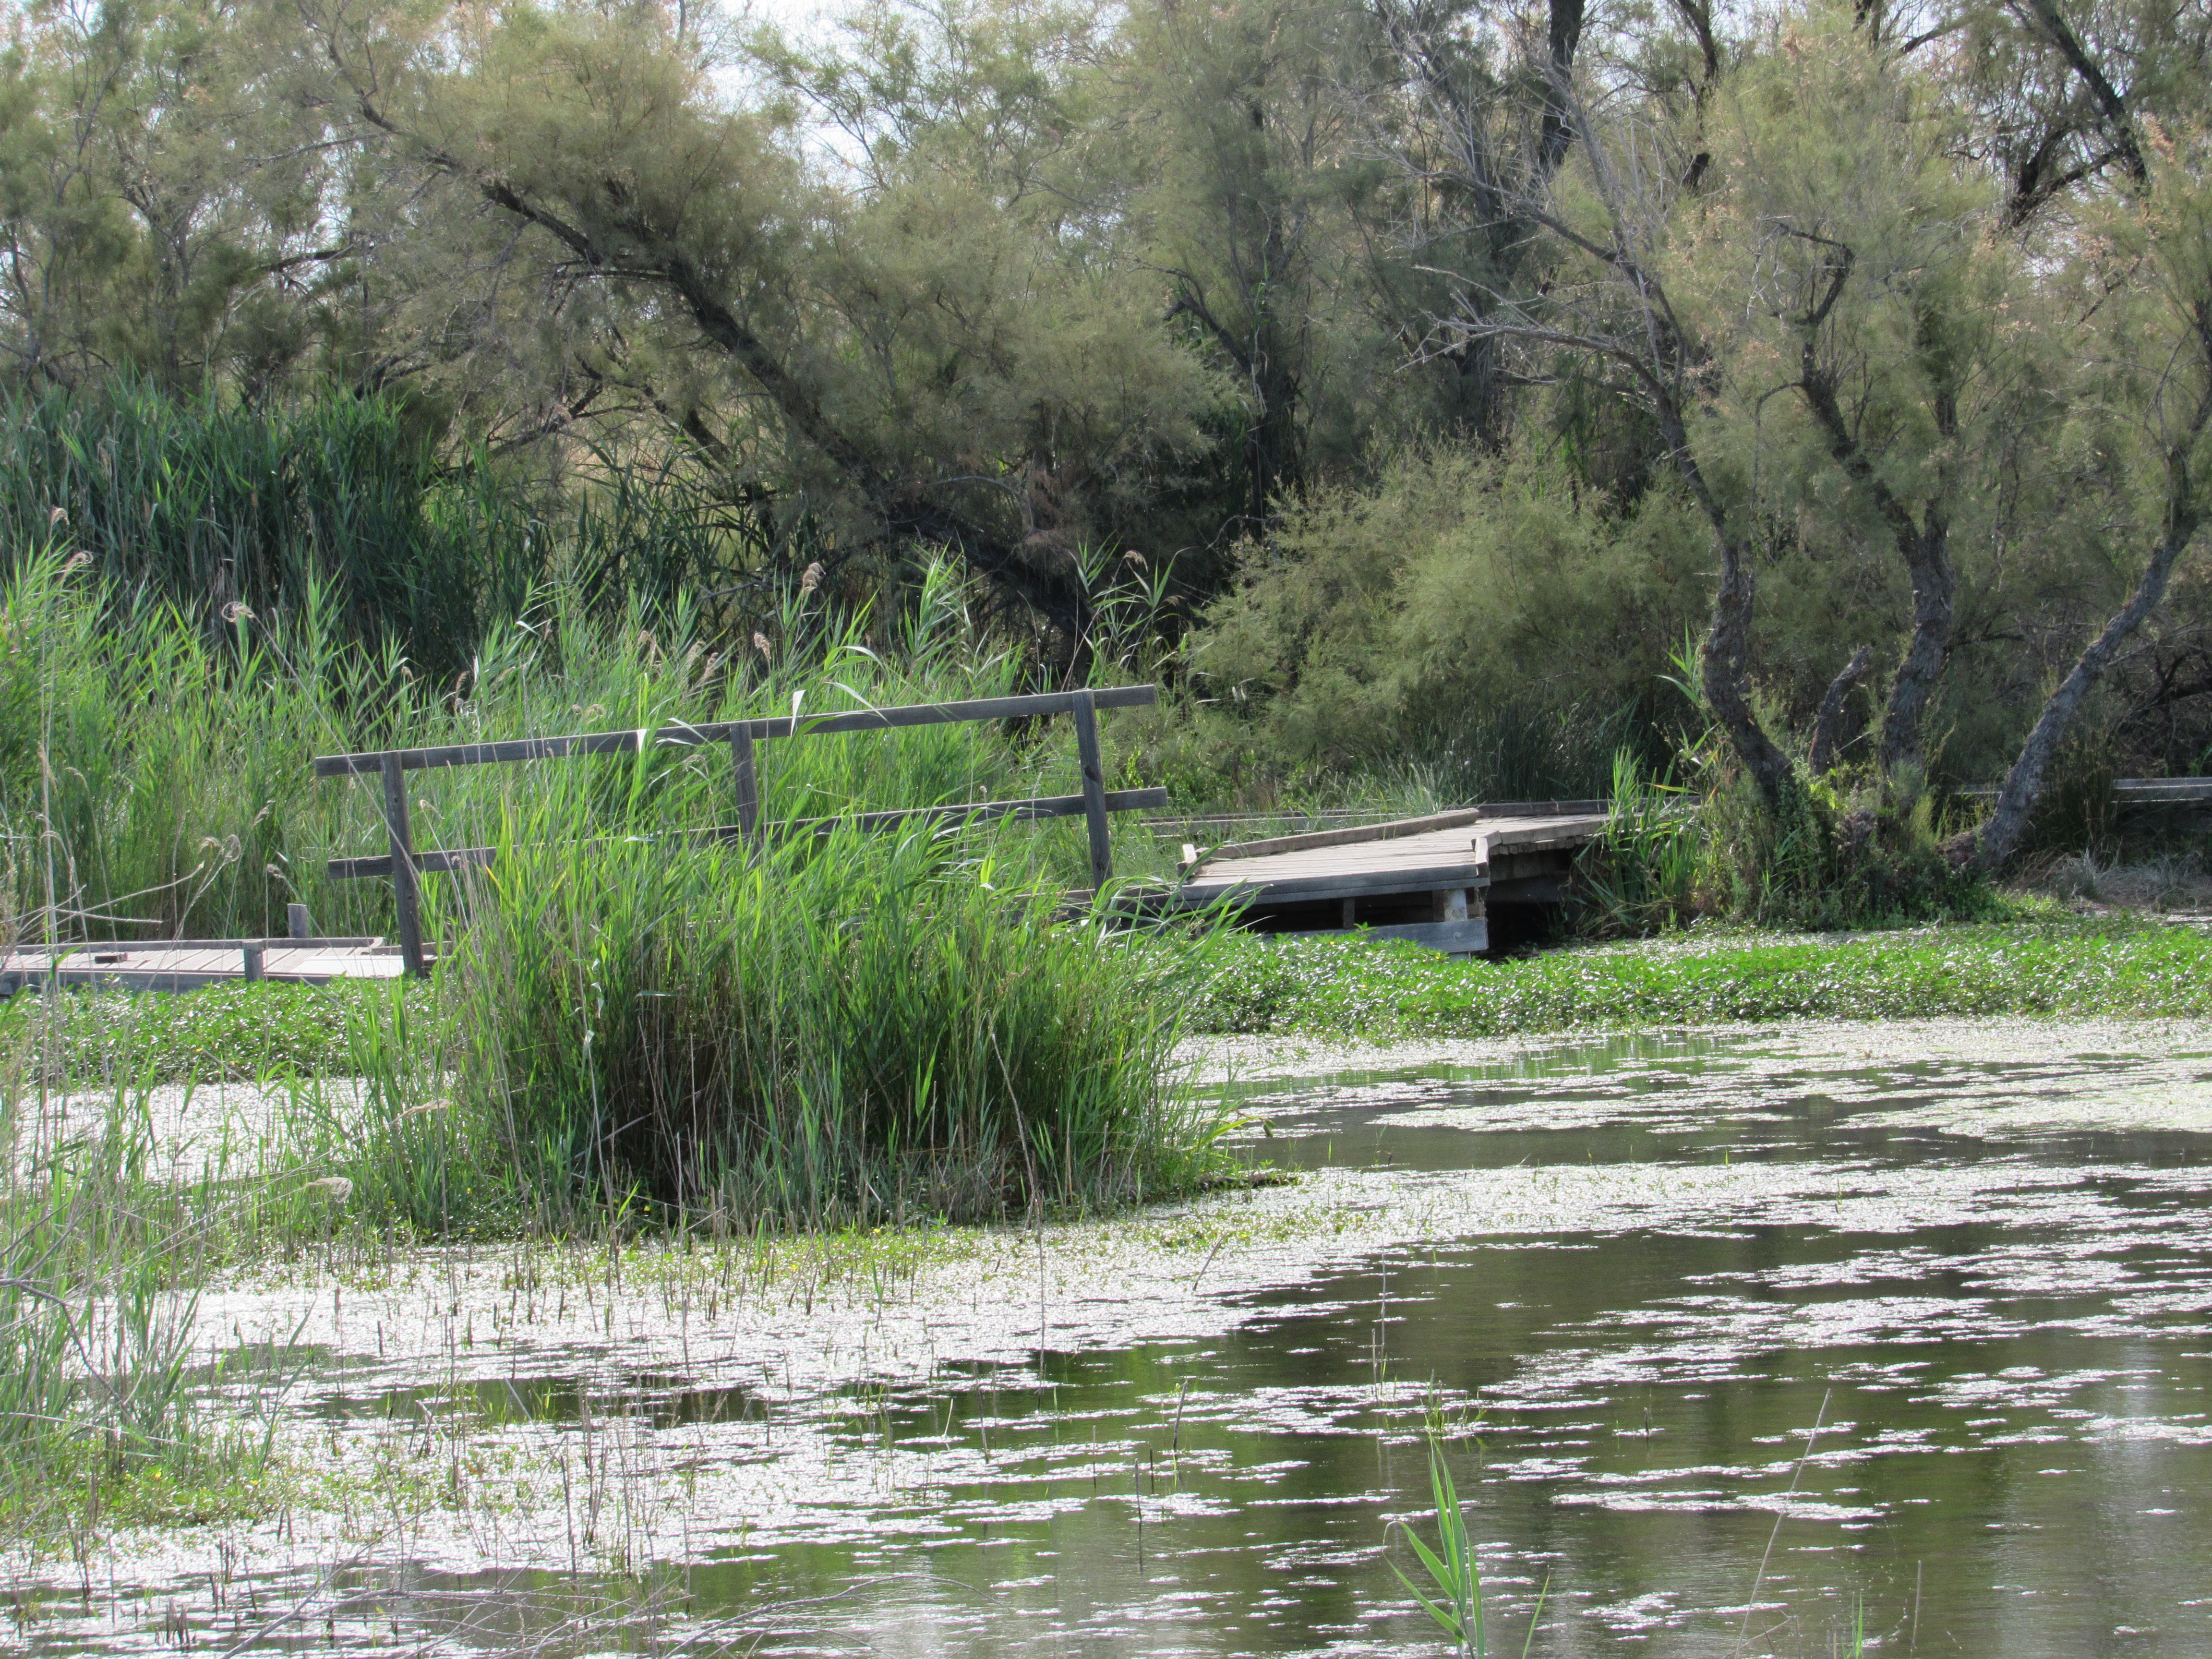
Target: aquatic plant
(99,1262)
(816,1029)
(1454,1574)
(2073,967)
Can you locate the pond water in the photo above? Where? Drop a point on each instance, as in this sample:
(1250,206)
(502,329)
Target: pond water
(1779,1342)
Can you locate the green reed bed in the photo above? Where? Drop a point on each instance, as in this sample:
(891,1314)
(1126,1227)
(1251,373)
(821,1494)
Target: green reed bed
(155,781)
(816,1030)
(2063,970)
(110,1412)
(805,1028)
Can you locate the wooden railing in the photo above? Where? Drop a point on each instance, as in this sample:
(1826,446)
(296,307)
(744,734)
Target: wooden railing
(405,866)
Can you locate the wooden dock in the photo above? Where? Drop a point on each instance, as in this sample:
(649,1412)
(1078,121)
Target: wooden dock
(187,964)
(1431,880)
(1434,881)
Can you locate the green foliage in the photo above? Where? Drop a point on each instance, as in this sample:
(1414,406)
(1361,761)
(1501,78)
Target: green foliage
(98,1422)
(180,794)
(857,1029)
(1482,616)
(1454,1574)
(205,501)
(2073,969)
(235,1032)
(1453,1599)
(1818,860)
(1642,876)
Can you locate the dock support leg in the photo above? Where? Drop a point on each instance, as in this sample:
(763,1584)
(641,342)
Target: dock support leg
(1448,904)
(406,893)
(251,965)
(1094,790)
(744,772)
(296,920)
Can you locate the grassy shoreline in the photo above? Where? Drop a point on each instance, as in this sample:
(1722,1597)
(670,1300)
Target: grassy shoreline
(2116,967)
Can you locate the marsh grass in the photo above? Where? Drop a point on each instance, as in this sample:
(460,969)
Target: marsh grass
(2073,968)
(840,1029)
(623,1033)
(176,797)
(1642,876)
(1451,1587)
(106,1416)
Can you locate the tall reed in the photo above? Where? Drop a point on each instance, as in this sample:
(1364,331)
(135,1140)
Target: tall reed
(179,800)
(100,1254)
(848,1028)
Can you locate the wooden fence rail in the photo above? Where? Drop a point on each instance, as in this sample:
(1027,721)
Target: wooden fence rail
(404,866)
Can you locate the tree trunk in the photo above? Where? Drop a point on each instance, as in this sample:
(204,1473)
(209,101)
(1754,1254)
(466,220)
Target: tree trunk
(2023,786)
(1727,674)
(1934,604)
(1828,724)
(1924,546)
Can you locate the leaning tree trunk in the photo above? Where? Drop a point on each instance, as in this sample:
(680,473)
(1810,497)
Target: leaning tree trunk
(2023,786)
(1828,724)
(1728,676)
(1923,546)
(1728,642)
(1935,603)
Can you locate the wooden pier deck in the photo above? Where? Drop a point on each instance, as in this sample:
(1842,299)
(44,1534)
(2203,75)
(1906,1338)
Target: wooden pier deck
(1434,881)
(187,964)
(1431,880)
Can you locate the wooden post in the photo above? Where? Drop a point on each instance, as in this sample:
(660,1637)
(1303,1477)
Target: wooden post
(1448,904)
(1094,789)
(747,775)
(296,920)
(405,894)
(252,951)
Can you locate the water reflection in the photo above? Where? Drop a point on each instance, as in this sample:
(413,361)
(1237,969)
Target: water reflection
(1980,1435)
(1768,1345)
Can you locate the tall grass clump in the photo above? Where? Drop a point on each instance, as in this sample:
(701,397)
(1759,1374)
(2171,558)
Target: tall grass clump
(819,1030)
(1642,876)
(208,502)
(166,773)
(813,1025)
(103,1409)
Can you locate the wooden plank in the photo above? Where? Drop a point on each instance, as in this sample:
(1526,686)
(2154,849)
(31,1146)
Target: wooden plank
(448,861)
(2146,791)
(1094,790)
(745,775)
(986,811)
(1407,852)
(683,734)
(1547,838)
(151,947)
(2162,789)
(406,895)
(430,863)
(1343,884)
(1350,835)
(1179,826)
(1547,809)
